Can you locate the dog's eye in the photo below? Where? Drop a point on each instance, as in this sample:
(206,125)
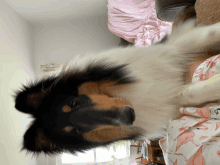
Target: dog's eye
(73,129)
(77,129)
(73,104)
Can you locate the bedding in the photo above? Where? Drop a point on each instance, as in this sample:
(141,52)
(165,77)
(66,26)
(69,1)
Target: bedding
(136,21)
(195,138)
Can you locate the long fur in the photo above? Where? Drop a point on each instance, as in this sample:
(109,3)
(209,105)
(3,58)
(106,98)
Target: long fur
(148,79)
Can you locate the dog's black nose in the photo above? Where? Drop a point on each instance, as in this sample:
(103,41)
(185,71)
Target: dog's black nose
(127,115)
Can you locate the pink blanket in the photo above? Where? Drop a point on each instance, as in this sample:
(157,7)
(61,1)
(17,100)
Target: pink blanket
(136,21)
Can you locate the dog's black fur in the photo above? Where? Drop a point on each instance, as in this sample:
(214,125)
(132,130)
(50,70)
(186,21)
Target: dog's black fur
(46,98)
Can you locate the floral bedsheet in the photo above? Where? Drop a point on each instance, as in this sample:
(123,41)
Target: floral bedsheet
(195,138)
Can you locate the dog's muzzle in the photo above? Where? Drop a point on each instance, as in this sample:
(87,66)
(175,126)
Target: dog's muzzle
(127,115)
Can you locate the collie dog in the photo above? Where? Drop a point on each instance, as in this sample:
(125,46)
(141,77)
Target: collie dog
(120,94)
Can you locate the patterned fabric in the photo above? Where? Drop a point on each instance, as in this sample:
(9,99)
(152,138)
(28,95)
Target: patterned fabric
(136,21)
(195,139)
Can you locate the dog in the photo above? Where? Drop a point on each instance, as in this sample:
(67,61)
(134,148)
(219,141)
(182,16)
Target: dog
(120,94)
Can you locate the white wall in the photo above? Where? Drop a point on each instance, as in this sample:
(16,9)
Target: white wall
(58,42)
(16,66)
(23,49)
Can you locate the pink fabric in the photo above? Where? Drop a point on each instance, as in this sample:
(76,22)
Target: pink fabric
(136,21)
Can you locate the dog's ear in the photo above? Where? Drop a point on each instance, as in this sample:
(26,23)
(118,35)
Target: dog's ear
(29,97)
(28,101)
(35,141)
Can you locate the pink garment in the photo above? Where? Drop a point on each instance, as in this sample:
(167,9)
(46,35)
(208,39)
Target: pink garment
(136,21)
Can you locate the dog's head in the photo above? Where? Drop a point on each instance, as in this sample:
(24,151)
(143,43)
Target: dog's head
(74,112)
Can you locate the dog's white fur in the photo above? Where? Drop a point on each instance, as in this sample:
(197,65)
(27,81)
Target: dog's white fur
(156,98)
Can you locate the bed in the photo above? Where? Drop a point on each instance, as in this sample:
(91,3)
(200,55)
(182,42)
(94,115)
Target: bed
(195,138)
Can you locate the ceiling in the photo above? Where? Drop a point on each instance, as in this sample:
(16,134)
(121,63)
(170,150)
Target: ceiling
(36,11)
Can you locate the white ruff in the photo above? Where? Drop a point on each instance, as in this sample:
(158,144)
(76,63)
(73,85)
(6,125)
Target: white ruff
(158,70)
